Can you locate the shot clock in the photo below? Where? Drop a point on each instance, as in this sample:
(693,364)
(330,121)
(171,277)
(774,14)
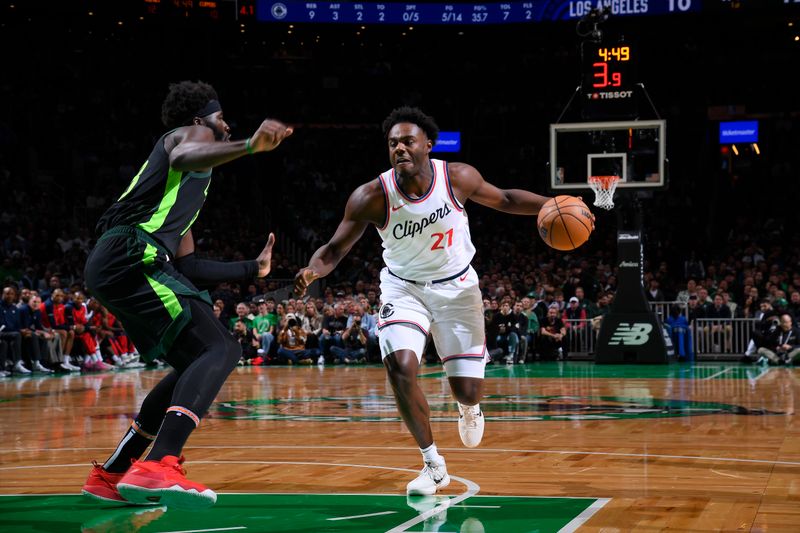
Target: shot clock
(608,80)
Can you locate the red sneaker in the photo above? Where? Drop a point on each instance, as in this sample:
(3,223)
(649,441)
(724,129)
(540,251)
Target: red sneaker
(102,485)
(257,361)
(164,482)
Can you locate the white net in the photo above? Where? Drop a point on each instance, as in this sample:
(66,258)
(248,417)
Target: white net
(604,187)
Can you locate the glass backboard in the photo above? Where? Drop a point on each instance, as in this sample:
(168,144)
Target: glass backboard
(633,150)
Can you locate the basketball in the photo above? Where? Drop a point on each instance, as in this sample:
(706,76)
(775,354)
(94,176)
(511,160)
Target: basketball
(565,222)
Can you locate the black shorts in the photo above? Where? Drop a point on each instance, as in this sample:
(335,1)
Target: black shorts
(131,274)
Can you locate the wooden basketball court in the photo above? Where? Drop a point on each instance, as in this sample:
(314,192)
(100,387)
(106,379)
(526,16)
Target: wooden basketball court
(567,446)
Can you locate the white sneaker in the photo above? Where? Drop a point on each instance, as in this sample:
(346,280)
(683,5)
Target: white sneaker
(4,373)
(321,360)
(39,367)
(470,424)
(19,368)
(432,478)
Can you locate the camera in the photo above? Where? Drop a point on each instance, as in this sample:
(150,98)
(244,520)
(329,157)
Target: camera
(773,324)
(292,322)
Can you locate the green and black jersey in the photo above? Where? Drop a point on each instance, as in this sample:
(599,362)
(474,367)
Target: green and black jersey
(160,200)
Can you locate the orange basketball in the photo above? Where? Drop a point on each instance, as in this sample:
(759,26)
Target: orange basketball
(565,222)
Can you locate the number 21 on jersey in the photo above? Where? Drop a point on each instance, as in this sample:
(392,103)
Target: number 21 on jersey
(439,237)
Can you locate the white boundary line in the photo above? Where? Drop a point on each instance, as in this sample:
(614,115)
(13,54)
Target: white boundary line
(360,516)
(409,449)
(717,374)
(585,515)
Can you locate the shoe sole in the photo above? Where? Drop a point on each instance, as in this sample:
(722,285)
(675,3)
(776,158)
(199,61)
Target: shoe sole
(421,492)
(98,497)
(174,496)
(112,500)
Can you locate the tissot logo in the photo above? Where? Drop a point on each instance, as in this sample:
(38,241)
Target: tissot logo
(634,334)
(610,95)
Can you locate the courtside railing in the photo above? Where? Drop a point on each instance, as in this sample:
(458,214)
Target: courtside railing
(661,309)
(708,337)
(581,335)
(730,336)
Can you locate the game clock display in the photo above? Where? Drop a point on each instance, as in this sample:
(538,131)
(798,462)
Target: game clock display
(608,79)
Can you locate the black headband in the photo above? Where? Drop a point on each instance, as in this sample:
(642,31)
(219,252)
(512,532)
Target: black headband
(211,107)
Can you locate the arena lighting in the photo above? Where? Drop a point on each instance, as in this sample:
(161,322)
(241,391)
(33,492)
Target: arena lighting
(756,149)
(735,150)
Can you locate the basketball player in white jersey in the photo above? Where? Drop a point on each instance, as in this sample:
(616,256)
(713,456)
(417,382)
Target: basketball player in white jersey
(428,284)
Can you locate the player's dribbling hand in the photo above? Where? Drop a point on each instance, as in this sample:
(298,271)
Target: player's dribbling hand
(302,280)
(264,259)
(269,135)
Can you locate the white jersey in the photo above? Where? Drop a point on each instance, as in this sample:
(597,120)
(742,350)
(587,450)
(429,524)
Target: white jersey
(426,238)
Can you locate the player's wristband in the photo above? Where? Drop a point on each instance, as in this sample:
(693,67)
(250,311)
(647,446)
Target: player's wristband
(248,147)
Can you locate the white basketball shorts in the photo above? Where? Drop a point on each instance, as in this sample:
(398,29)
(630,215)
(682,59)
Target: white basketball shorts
(452,311)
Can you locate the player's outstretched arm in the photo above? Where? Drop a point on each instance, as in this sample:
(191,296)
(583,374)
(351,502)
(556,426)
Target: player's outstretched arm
(364,206)
(469,184)
(206,271)
(197,150)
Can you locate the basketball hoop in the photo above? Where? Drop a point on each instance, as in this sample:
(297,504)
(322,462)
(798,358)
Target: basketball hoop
(604,187)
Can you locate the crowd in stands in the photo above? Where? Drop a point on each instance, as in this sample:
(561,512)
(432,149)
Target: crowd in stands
(47,330)
(536,301)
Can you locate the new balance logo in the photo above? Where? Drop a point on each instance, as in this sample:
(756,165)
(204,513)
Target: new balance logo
(634,334)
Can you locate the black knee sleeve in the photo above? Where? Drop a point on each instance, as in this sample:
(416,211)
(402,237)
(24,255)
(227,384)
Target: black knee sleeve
(204,333)
(204,354)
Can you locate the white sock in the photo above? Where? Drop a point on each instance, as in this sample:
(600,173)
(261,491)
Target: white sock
(431,454)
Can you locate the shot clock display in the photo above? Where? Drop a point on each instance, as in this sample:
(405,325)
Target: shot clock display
(609,80)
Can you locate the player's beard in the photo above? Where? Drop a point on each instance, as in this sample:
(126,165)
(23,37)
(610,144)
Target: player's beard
(219,133)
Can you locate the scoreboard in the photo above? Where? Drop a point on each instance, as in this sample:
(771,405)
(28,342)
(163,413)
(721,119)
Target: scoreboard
(609,79)
(459,13)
